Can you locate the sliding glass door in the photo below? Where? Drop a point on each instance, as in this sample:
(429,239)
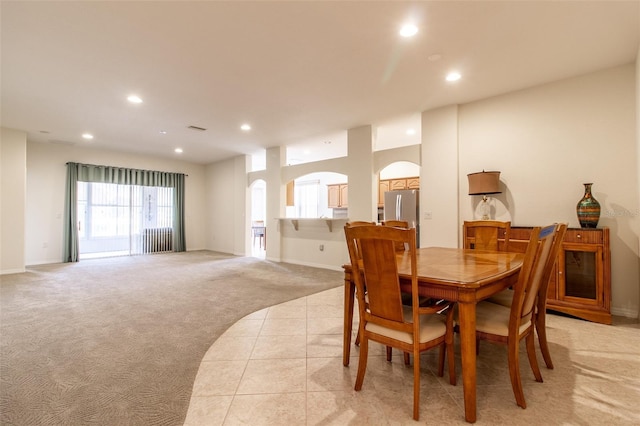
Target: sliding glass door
(116,219)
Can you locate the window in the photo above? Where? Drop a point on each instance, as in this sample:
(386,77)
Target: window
(307,196)
(123,219)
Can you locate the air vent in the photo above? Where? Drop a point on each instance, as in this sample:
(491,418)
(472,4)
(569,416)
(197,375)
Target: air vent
(201,129)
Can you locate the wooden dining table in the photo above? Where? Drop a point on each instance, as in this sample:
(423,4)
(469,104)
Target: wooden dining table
(458,275)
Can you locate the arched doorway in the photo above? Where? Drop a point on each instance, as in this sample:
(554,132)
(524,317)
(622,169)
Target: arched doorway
(258,231)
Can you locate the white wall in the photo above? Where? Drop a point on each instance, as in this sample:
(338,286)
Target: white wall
(227,198)
(549,140)
(13,161)
(46,176)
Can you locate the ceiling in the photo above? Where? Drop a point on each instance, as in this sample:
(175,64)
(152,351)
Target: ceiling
(295,71)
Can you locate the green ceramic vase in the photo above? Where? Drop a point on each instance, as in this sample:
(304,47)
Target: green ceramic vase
(588,209)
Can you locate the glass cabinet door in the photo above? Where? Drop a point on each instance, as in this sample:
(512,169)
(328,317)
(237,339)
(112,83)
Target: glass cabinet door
(581,273)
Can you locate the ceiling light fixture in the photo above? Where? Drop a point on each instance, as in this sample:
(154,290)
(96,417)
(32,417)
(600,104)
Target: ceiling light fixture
(245,127)
(87,136)
(163,132)
(408,30)
(134,99)
(453,76)
(178,150)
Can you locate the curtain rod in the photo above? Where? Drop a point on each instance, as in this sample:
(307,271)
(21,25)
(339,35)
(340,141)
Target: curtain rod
(118,167)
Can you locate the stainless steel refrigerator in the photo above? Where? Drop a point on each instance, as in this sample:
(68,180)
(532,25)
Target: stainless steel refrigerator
(404,205)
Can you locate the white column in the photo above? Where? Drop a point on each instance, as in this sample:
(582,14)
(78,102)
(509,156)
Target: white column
(276,200)
(363,195)
(439,178)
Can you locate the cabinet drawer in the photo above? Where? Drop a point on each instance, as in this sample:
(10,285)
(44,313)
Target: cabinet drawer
(585,236)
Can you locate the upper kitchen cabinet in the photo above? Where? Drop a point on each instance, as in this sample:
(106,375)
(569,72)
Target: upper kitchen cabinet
(337,195)
(396,184)
(290,200)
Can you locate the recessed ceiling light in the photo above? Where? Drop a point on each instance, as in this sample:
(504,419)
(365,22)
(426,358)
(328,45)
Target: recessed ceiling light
(411,132)
(245,127)
(163,132)
(134,99)
(178,150)
(453,76)
(408,30)
(87,136)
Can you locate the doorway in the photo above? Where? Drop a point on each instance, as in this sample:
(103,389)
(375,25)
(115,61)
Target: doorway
(258,227)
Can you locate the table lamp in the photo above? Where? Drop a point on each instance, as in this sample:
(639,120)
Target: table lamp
(484,183)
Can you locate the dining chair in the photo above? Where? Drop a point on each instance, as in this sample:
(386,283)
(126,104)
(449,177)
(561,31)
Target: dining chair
(257,226)
(509,326)
(406,298)
(397,224)
(351,225)
(505,297)
(383,318)
(485,235)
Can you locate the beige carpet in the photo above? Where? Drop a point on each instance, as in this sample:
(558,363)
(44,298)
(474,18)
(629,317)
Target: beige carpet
(119,341)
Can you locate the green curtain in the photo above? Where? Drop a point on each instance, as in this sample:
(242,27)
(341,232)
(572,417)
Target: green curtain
(179,243)
(123,176)
(71,247)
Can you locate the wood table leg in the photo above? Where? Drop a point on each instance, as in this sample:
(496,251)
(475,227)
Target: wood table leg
(467,318)
(349,291)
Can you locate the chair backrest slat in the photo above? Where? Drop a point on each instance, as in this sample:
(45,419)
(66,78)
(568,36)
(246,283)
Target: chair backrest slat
(532,272)
(486,234)
(375,271)
(397,224)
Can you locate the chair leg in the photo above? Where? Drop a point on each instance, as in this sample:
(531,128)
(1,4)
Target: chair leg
(389,353)
(531,353)
(441,357)
(541,328)
(416,384)
(451,358)
(407,358)
(362,363)
(514,372)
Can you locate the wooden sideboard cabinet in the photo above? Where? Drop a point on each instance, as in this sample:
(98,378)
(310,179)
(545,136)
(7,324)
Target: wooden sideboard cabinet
(580,284)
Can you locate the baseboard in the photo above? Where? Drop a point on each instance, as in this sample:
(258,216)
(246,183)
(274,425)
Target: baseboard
(44,262)
(311,264)
(627,313)
(12,271)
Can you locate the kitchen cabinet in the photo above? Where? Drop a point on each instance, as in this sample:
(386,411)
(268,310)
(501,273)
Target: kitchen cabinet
(580,284)
(396,184)
(338,195)
(413,183)
(383,187)
(290,191)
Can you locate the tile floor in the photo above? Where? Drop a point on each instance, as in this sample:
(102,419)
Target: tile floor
(283,366)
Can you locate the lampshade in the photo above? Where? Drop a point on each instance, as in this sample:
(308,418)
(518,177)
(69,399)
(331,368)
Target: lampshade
(482,183)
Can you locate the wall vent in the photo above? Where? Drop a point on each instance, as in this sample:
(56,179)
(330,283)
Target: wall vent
(201,129)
